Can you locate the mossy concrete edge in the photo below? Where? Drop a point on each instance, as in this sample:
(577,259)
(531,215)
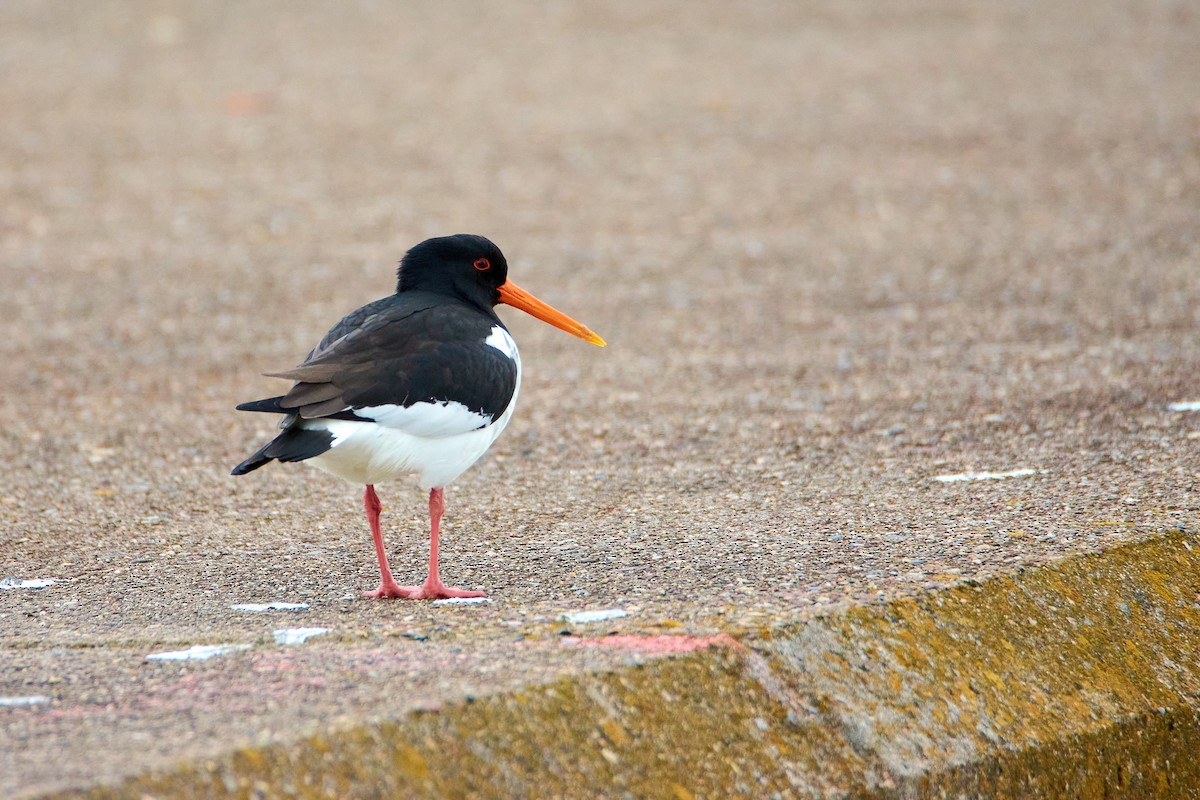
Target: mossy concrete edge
(1081,678)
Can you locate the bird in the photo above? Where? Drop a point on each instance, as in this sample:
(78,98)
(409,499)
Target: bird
(420,382)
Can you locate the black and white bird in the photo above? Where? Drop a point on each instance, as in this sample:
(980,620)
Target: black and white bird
(419,382)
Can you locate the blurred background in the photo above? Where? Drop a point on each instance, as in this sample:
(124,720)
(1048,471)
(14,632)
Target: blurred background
(835,248)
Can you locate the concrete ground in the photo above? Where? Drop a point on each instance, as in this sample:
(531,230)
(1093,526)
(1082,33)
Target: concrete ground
(838,250)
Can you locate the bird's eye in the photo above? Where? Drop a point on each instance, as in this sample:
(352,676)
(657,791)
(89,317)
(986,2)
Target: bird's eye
(482,264)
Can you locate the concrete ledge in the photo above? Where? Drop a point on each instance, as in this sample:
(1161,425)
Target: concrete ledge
(1077,679)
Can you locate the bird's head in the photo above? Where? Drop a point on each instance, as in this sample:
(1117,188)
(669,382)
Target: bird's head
(473,268)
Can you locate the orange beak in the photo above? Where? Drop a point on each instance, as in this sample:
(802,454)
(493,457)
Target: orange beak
(515,296)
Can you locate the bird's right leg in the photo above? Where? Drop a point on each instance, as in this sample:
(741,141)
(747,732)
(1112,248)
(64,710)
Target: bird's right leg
(387,584)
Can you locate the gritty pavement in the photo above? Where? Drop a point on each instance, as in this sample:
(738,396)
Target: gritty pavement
(838,250)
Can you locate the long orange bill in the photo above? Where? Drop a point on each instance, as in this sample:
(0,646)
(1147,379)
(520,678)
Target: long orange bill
(515,296)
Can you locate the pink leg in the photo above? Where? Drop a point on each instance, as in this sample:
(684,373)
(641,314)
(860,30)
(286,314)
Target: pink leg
(432,588)
(387,584)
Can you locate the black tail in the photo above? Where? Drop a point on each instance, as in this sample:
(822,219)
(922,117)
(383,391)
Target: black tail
(254,462)
(294,444)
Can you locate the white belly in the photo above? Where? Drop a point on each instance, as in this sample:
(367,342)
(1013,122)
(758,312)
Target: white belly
(366,452)
(436,441)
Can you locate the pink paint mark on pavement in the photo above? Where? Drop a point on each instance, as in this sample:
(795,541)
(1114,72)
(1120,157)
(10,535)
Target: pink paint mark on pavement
(662,645)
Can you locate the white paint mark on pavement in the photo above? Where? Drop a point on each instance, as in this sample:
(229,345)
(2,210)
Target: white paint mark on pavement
(987,476)
(198,652)
(600,615)
(13,582)
(259,607)
(294,636)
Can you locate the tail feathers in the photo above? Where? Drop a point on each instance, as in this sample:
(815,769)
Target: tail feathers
(294,444)
(271,405)
(253,462)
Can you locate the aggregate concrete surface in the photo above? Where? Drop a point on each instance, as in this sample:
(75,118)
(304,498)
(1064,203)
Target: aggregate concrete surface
(851,259)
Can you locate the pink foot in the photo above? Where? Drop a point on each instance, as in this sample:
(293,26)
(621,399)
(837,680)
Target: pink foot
(429,590)
(432,588)
(389,588)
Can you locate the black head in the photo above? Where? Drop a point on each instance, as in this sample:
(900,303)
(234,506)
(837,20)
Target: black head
(463,265)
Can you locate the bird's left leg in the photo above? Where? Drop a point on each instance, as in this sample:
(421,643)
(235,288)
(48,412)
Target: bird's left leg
(433,588)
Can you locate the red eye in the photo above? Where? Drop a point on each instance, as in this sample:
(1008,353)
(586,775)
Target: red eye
(482,264)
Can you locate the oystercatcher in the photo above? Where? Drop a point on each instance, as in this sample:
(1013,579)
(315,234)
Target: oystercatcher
(419,382)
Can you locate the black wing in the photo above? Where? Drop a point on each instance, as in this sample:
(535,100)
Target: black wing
(401,350)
